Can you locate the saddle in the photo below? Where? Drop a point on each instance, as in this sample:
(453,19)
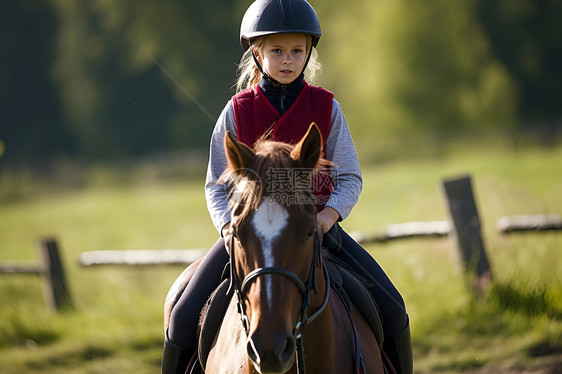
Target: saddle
(352,291)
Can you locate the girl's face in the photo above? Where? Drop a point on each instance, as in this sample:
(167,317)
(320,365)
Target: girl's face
(283,56)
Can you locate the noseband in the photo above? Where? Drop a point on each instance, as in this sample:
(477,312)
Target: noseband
(305,289)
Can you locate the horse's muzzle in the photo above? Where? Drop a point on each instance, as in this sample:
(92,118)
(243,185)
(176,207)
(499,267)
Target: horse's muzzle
(275,358)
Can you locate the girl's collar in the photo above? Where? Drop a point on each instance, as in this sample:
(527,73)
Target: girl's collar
(282,96)
(270,87)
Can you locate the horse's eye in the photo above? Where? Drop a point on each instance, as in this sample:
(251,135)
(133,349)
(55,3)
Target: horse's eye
(310,234)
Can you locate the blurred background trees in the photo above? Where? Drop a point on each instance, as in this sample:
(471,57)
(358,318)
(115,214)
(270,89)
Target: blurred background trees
(105,80)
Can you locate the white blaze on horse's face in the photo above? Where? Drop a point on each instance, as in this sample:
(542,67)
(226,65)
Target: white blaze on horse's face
(269,221)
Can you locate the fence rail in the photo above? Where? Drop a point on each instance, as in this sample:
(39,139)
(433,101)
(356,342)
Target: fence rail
(544,222)
(406,230)
(426,229)
(141,257)
(8,268)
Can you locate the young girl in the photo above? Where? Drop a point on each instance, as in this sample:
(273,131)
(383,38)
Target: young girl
(279,39)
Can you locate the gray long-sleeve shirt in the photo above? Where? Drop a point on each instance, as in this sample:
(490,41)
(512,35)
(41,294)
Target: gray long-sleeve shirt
(345,172)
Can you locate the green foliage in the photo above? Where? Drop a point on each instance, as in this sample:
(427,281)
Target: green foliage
(21,325)
(416,67)
(30,109)
(104,80)
(523,36)
(111,65)
(529,301)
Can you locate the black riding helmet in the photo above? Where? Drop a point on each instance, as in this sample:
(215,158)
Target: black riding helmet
(268,17)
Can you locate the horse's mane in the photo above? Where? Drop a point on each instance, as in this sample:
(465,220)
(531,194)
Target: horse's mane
(249,187)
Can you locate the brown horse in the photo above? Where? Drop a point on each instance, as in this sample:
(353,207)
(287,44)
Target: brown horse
(283,310)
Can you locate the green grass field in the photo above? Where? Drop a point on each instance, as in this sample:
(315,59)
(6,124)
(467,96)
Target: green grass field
(116,326)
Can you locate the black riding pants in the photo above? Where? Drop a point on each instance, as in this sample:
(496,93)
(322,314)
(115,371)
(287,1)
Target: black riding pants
(185,315)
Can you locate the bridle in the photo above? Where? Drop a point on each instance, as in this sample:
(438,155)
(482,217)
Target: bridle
(304,287)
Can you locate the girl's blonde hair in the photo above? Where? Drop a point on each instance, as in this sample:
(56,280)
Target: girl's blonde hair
(249,74)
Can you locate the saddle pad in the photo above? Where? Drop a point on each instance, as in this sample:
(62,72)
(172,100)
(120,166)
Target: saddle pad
(211,319)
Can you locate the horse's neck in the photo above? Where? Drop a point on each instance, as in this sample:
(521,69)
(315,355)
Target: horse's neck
(324,320)
(323,346)
(317,298)
(326,335)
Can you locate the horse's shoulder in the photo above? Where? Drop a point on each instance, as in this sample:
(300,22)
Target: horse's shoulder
(222,347)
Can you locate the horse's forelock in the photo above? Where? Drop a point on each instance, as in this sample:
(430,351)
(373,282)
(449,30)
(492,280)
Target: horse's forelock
(256,183)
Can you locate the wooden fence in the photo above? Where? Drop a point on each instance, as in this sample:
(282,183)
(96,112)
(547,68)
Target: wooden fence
(463,228)
(51,270)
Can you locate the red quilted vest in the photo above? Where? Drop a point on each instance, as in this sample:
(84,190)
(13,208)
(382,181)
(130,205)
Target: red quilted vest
(255,115)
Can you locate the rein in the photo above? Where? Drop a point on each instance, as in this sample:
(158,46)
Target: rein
(305,289)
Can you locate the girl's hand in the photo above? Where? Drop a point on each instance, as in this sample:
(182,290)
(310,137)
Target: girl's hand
(226,234)
(327,218)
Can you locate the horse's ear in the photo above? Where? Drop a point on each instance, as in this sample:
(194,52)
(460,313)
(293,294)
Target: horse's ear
(307,151)
(238,154)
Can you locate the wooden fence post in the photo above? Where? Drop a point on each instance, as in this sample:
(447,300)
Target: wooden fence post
(466,232)
(56,289)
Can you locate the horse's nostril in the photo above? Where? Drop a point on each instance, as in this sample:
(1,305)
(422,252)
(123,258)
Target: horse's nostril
(286,348)
(276,358)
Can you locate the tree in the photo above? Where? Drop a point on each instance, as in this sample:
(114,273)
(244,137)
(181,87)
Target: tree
(525,37)
(415,67)
(31,124)
(106,79)
(121,70)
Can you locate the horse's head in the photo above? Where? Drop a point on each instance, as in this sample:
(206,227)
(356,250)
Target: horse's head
(274,245)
